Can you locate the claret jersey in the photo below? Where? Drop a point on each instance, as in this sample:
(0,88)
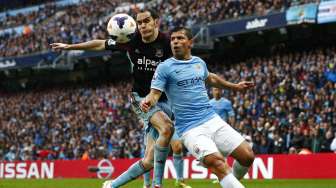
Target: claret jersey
(145,57)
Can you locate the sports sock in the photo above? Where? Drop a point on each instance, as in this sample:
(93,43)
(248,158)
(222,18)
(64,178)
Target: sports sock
(178,164)
(146,177)
(239,170)
(229,181)
(160,157)
(132,172)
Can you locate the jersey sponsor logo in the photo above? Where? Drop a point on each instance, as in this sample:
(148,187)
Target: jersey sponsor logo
(150,65)
(190,82)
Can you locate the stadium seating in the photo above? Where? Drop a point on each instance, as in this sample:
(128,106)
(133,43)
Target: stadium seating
(292,108)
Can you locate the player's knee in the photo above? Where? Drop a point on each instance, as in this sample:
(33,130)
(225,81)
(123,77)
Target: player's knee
(214,161)
(167,130)
(177,147)
(147,163)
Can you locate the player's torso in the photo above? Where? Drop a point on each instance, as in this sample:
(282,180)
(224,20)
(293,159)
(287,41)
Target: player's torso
(188,94)
(145,57)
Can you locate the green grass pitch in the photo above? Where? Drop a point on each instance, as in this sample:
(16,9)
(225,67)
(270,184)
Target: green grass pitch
(95,183)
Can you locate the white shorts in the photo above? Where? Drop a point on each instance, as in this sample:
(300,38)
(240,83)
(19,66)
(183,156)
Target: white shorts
(213,136)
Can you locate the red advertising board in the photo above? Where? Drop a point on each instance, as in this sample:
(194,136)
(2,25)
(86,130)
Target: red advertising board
(264,167)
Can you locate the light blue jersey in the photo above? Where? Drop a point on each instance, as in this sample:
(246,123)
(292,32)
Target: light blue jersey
(184,84)
(223,107)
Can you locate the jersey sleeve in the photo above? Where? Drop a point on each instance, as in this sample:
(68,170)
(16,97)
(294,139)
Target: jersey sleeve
(206,71)
(160,78)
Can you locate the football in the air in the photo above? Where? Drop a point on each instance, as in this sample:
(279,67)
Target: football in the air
(121,27)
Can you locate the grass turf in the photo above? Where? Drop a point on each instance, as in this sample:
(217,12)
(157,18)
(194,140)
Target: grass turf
(95,183)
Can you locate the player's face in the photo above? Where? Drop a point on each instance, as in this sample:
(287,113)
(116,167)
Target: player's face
(180,44)
(216,92)
(146,24)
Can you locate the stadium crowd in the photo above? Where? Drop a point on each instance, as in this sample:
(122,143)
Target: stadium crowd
(291,110)
(87,20)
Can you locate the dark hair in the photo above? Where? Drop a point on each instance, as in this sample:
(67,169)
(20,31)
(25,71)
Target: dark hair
(152,12)
(186,30)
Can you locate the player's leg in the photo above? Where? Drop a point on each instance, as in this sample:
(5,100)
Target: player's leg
(146,175)
(158,118)
(137,169)
(244,158)
(217,164)
(147,182)
(199,141)
(161,122)
(230,142)
(177,147)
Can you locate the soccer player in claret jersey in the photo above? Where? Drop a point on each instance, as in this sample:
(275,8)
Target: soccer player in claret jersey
(203,132)
(145,50)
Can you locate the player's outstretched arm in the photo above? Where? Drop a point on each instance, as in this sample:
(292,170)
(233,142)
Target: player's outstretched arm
(89,45)
(216,81)
(150,100)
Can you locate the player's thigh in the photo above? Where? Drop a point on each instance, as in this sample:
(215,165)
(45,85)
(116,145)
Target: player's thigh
(199,143)
(161,122)
(244,154)
(226,138)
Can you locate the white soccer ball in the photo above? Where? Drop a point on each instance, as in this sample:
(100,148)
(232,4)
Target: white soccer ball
(121,27)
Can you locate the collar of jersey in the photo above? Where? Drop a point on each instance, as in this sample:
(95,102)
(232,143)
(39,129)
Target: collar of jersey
(183,61)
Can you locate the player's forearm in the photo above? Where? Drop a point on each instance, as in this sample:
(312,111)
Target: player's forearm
(153,97)
(89,45)
(218,82)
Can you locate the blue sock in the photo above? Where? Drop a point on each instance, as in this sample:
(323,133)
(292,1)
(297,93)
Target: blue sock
(178,164)
(146,177)
(160,157)
(132,172)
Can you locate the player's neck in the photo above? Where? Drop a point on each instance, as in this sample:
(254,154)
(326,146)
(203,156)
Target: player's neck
(186,57)
(151,38)
(217,98)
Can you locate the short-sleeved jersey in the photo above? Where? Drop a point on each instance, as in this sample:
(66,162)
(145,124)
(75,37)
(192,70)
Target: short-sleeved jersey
(145,57)
(184,84)
(223,107)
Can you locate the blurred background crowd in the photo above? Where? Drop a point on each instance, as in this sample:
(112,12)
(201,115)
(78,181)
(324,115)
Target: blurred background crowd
(291,110)
(87,20)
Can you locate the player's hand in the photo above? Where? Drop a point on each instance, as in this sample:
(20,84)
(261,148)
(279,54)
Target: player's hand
(145,105)
(244,85)
(60,46)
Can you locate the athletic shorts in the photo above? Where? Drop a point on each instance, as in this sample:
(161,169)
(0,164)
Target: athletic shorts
(160,106)
(212,136)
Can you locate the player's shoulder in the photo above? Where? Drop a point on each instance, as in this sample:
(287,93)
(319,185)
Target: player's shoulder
(168,62)
(199,59)
(164,36)
(212,100)
(225,100)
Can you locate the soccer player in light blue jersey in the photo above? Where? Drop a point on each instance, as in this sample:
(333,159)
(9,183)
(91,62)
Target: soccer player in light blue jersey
(203,132)
(222,106)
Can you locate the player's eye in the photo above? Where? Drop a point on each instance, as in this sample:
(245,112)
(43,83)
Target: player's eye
(147,20)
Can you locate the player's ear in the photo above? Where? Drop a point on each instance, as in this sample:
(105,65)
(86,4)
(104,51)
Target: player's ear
(157,22)
(191,43)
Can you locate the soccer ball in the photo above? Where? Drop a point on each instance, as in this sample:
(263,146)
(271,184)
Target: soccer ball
(121,27)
